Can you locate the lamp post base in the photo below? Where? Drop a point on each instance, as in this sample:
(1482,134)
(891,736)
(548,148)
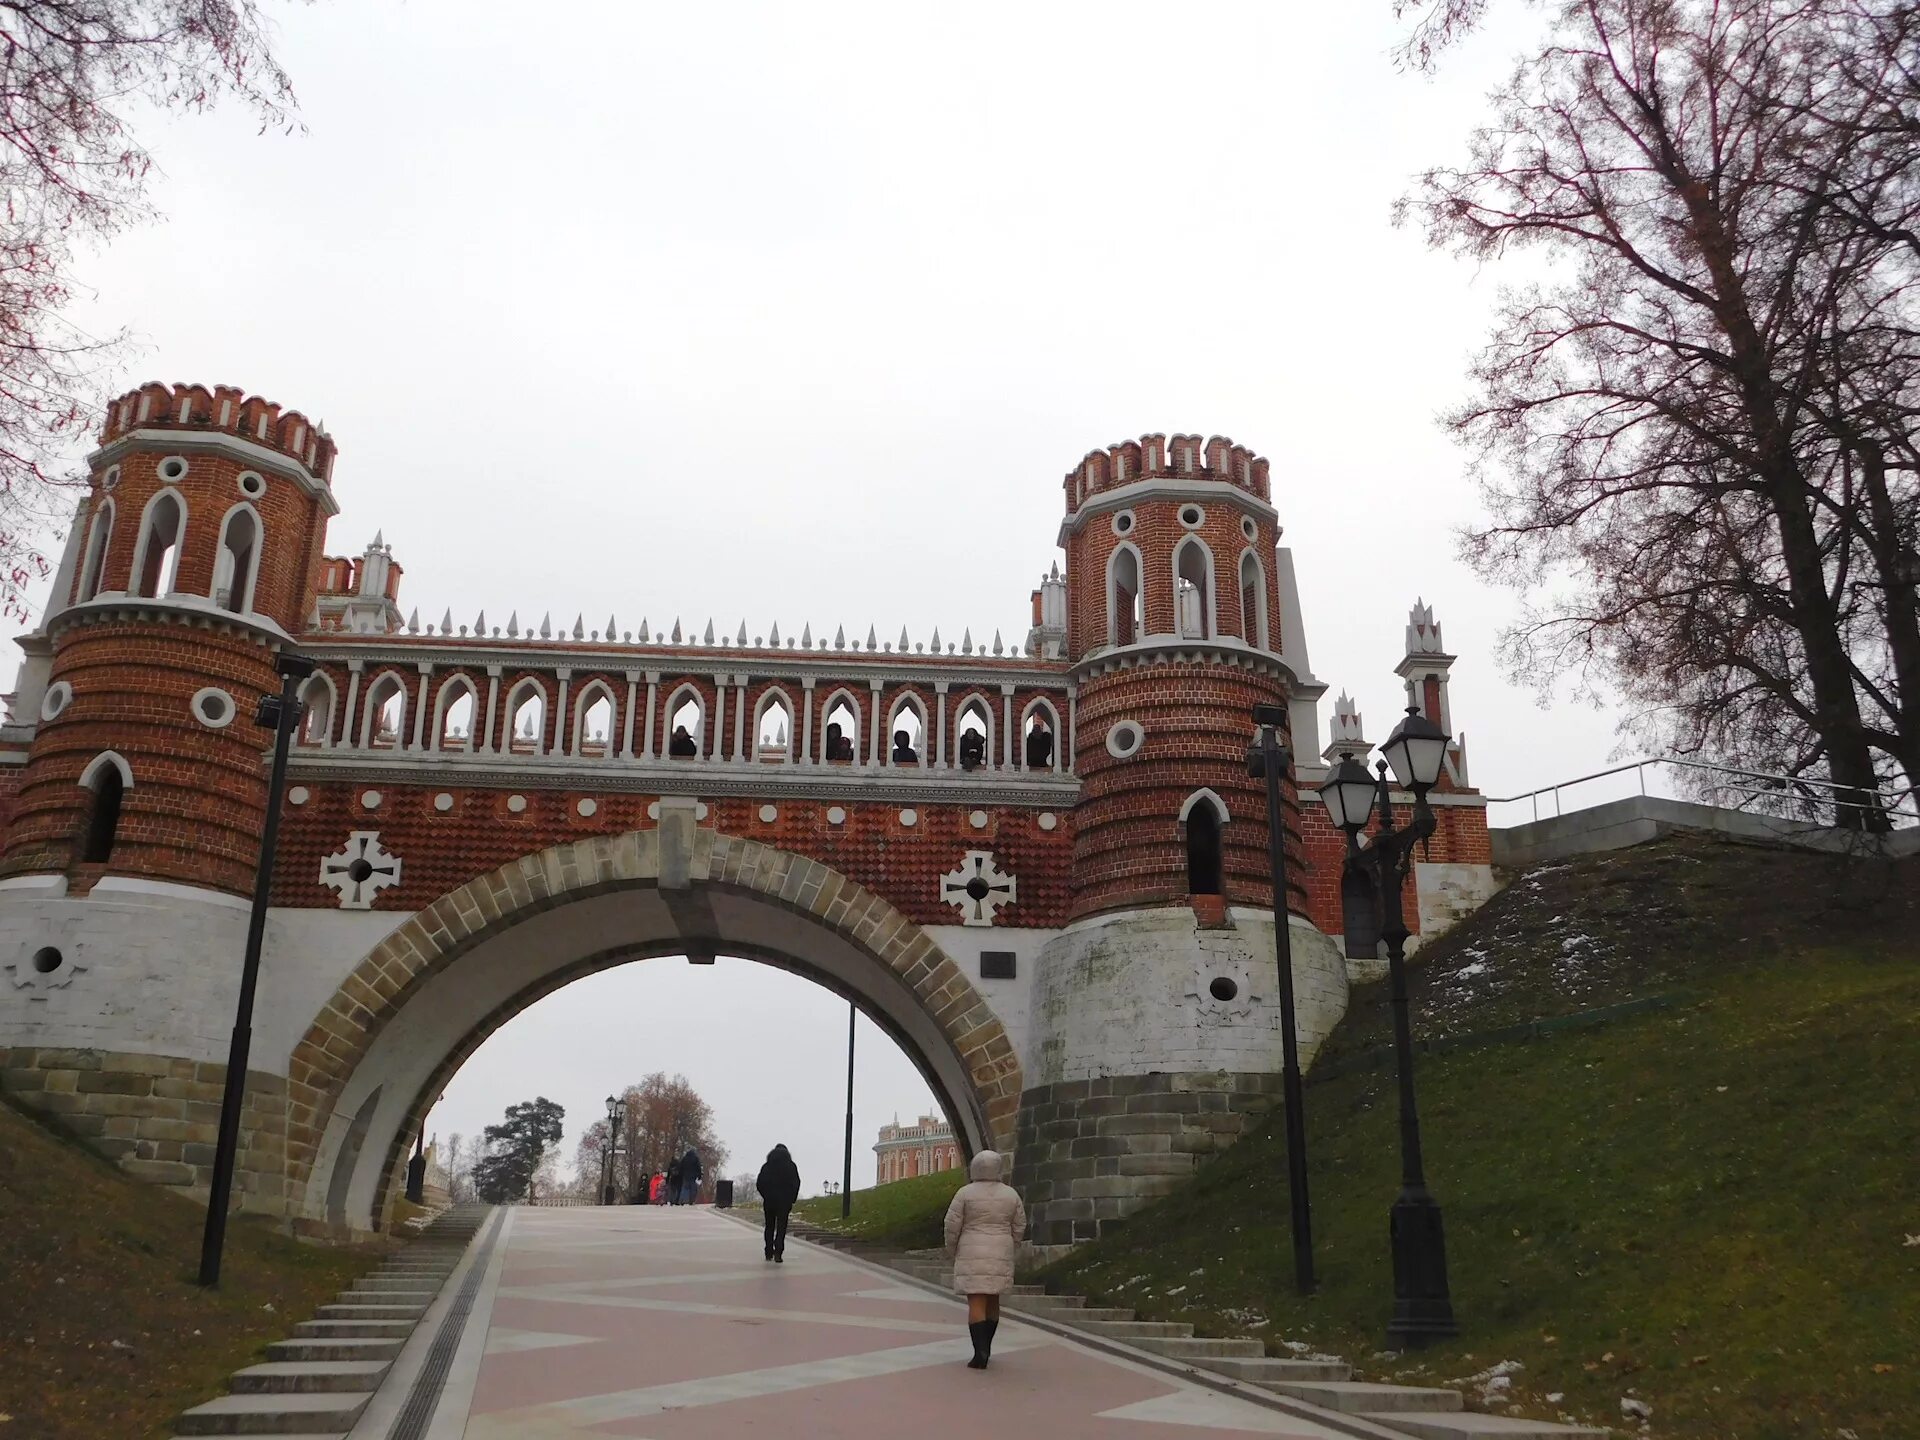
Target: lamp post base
(1422,1308)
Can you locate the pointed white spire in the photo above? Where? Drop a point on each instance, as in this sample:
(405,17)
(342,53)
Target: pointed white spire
(579,630)
(1054,574)
(676,629)
(645,637)
(709,636)
(513,626)
(546,625)
(935,645)
(379,540)
(781,738)
(480,623)
(903,640)
(612,629)
(742,638)
(806,635)
(873,638)
(773,635)
(997,648)
(840,637)
(966,641)
(413,622)
(446,622)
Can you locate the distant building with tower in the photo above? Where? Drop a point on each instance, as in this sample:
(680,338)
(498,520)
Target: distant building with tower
(923,1148)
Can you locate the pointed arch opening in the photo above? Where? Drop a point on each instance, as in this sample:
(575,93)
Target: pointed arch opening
(1253,600)
(384,717)
(594,713)
(317,701)
(1204,817)
(906,733)
(237,565)
(156,564)
(1040,747)
(840,735)
(1193,589)
(526,732)
(1124,618)
(99,536)
(686,723)
(973,733)
(453,715)
(109,778)
(773,738)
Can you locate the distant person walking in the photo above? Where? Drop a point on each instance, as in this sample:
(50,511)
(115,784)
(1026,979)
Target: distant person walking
(689,1177)
(779,1185)
(985,1224)
(673,1182)
(657,1189)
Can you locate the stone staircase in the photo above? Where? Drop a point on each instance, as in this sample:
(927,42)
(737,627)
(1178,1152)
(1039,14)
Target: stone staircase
(314,1385)
(1427,1413)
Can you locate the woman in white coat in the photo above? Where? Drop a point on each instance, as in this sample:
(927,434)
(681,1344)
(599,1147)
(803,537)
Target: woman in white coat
(985,1224)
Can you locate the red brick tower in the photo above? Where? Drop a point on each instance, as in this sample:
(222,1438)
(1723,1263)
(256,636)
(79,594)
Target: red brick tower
(1174,633)
(201,532)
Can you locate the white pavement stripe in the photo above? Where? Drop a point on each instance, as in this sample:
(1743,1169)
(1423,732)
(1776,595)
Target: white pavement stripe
(571,1417)
(511,1342)
(738,1312)
(1207,1411)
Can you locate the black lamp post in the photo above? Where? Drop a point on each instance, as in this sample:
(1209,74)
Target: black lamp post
(417,1166)
(1422,1308)
(846,1162)
(281,714)
(613,1145)
(1267,759)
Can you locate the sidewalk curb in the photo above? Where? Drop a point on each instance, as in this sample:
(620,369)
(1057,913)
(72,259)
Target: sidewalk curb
(1146,1359)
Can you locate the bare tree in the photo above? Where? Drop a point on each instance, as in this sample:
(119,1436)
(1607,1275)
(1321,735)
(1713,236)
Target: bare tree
(1705,414)
(662,1119)
(72,172)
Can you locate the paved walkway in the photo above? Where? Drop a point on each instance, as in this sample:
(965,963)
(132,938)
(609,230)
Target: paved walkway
(668,1324)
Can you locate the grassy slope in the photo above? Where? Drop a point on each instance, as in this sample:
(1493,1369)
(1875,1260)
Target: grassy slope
(1706,1207)
(907,1214)
(89,1257)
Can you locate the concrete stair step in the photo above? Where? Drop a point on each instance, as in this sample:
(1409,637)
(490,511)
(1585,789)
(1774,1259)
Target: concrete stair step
(1357,1397)
(1076,1315)
(357,1311)
(1141,1330)
(353,1329)
(323,1349)
(310,1377)
(1267,1370)
(1036,1290)
(399,1282)
(358,1296)
(1468,1425)
(1200,1348)
(324,1414)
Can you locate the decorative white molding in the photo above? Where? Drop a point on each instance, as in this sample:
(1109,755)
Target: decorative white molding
(977,888)
(360,870)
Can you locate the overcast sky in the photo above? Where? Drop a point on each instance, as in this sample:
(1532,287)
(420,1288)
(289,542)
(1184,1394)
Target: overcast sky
(799,313)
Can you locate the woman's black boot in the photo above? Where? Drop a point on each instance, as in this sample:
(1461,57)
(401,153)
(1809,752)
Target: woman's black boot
(980,1332)
(986,1341)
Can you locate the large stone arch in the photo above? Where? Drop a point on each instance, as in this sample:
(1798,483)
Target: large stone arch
(380,1049)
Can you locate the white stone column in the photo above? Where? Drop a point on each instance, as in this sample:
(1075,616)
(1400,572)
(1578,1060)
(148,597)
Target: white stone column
(806,736)
(940,721)
(493,699)
(719,714)
(1006,724)
(626,729)
(350,722)
(420,710)
(560,713)
(740,755)
(653,694)
(874,752)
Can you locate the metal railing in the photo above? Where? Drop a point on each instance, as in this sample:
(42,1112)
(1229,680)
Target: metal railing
(1760,790)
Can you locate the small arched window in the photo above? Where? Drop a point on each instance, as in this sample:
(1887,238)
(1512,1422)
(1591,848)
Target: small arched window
(1040,736)
(106,776)
(840,739)
(906,735)
(156,567)
(1253,601)
(973,735)
(238,564)
(98,538)
(316,698)
(1123,597)
(453,728)
(773,728)
(686,724)
(386,714)
(1204,817)
(593,722)
(527,719)
(1193,589)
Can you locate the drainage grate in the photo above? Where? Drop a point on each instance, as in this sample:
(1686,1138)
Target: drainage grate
(411,1423)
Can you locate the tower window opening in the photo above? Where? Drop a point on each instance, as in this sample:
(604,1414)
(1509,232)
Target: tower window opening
(1038,746)
(1253,601)
(906,734)
(316,721)
(1203,850)
(974,735)
(842,738)
(233,573)
(456,717)
(1193,591)
(386,713)
(1124,607)
(160,546)
(527,721)
(687,722)
(773,731)
(96,562)
(596,726)
(103,818)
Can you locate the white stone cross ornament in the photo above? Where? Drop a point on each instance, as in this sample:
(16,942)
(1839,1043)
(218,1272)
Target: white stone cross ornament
(978,888)
(360,870)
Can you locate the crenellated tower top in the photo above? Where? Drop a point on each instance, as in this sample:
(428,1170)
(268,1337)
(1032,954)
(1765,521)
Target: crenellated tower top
(225,408)
(1160,457)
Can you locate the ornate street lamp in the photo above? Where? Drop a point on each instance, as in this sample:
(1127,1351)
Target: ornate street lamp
(613,1143)
(1422,1307)
(1267,759)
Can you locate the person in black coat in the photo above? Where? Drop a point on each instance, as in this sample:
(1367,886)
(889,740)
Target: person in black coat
(673,1182)
(779,1185)
(689,1177)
